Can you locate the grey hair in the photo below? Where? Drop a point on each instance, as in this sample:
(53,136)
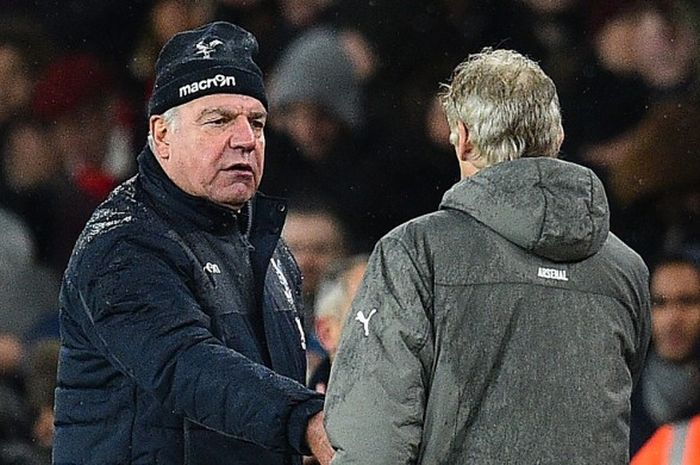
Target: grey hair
(509,105)
(171,120)
(333,297)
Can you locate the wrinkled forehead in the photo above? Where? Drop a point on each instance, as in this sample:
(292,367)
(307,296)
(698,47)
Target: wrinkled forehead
(225,103)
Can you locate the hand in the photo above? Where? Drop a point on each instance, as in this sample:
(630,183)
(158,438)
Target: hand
(317,440)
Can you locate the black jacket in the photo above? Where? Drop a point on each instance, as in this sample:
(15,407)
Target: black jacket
(181,334)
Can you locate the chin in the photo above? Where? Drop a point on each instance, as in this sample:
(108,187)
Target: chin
(235,202)
(232,197)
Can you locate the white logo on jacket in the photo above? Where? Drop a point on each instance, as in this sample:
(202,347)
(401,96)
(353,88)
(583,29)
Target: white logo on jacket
(277,266)
(289,295)
(552,273)
(212,268)
(365,319)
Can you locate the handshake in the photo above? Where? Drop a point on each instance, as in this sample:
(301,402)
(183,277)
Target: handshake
(318,442)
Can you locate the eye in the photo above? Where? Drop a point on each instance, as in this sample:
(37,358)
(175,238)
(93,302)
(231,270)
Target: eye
(257,124)
(216,122)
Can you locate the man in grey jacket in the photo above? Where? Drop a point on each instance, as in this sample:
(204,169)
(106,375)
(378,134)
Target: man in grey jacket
(509,326)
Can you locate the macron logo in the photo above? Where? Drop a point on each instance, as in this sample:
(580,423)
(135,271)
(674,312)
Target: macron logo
(552,273)
(219,80)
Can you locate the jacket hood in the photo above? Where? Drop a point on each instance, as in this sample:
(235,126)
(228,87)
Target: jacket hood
(555,209)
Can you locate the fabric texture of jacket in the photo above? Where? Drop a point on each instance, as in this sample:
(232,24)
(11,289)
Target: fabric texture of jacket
(181,339)
(506,328)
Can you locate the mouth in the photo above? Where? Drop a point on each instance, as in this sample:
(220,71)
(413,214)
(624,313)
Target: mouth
(240,170)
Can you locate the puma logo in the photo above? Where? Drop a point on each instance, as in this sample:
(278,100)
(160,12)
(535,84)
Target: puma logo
(365,319)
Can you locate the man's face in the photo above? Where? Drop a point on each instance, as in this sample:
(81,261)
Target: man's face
(316,241)
(216,148)
(675,316)
(310,127)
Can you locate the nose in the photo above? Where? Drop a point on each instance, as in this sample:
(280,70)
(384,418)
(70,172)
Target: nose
(242,134)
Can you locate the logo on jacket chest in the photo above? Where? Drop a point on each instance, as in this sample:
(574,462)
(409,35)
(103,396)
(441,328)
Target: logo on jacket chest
(365,319)
(552,273)
(212,268)
(286,289)
(289,296)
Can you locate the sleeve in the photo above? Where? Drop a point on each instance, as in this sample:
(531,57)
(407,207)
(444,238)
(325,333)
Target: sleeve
(142,316)
(643,322)
(380,376)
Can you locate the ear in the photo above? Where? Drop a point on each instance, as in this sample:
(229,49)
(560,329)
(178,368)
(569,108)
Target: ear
(561,138)
(466,153)
(323,332)
(161,136)
(464,146)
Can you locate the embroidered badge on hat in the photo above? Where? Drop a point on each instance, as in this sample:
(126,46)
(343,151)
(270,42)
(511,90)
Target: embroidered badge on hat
(207,48)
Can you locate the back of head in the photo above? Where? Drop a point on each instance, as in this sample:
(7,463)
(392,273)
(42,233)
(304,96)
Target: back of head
(509,105)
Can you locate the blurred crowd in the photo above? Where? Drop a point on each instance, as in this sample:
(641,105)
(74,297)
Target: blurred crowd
(356,140)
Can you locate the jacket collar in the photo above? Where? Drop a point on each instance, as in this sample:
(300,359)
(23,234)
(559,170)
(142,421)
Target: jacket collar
(175,203)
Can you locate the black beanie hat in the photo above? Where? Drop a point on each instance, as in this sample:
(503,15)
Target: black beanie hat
(212,59)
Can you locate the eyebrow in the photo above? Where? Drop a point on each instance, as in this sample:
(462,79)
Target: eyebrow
(219,111)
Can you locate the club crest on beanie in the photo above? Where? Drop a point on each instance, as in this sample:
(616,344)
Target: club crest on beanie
(212,59)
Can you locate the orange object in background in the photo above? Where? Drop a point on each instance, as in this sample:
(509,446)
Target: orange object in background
(672,444)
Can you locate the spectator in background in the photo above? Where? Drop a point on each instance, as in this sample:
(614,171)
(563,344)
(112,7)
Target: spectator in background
(612,98)
(77,91)
(55,170)
(28,291)
(669,389)
(652,167)
(20,292)
(331,309)
(16,82)
(317,237)
(317,95)
(37,188)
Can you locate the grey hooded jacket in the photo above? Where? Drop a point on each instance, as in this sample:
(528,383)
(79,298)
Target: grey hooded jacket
(506,328)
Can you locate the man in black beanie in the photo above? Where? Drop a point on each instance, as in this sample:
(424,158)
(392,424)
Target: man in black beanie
(181,332)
